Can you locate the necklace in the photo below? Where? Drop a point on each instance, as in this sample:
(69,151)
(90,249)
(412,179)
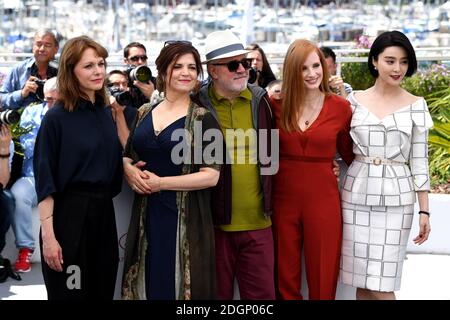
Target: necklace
(316,109)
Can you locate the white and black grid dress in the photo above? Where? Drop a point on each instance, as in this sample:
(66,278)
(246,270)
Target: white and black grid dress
(378,199)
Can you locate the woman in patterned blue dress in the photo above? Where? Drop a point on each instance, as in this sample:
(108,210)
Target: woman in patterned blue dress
(389,129)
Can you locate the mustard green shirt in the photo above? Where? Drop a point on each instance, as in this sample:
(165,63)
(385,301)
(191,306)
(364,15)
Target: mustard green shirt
(240,137)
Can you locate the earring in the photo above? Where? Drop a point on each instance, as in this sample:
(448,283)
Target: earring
(375,68)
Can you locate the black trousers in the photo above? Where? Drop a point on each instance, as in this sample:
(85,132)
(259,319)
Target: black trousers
(6,211)
(85,227)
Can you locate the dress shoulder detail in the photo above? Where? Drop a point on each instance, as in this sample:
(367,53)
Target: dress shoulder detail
(420,115)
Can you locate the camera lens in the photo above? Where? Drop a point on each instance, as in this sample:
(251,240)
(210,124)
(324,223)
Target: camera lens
(140,73)
(252,75)
(9,117)
(40,89)
(122,97)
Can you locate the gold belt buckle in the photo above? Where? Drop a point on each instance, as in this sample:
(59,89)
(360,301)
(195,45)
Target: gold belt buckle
(377,161)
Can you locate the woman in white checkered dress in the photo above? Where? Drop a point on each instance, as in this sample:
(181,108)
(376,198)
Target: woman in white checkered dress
(389,129)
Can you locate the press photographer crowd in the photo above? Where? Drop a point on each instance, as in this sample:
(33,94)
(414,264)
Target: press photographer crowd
(349,168)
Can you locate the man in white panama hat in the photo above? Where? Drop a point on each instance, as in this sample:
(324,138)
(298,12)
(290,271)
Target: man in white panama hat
(242,207)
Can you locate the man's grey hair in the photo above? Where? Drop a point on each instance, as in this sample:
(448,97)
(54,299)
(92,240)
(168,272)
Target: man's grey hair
(46,32)
(51,85)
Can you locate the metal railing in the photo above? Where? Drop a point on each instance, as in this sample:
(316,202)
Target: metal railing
(441,54)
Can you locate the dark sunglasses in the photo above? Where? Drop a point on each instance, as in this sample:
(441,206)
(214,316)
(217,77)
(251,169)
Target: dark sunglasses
(177,41)
(233,65)
(136,58)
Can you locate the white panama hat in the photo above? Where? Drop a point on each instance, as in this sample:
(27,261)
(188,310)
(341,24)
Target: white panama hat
(223,44)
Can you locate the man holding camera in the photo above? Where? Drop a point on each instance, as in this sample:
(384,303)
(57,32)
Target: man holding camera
(135,55)
(121,103)
(24,188)
(22,83)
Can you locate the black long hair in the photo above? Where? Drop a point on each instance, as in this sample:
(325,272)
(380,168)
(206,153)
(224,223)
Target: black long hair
(266,75)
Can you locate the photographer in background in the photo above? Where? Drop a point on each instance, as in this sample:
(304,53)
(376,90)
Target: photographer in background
(20,86)
(23,189)
(264,74)
(135,55)
(121,103)
(6,199)
(342,89)
(274,89)
(335,82)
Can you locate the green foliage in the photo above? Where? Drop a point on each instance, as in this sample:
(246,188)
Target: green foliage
(439,138)
(17,131)
(429,81)
(439,104)
(439,164)
(357,75)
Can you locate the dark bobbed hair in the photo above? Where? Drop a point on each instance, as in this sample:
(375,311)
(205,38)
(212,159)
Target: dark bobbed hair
(68,84)
(266,76)
(168,55)
(126,50)
(392,39)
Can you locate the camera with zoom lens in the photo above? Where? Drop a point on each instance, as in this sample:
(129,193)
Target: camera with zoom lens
(252,75)
(122,97)
(40,90)
(9,117)
(140,73)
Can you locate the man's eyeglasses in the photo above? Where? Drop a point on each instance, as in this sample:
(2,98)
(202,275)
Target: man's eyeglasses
(137,58)
(233,65)
(177,41)
(49,99)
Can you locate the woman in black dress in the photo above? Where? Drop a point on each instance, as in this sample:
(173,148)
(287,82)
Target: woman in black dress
(169,252)
(78,170)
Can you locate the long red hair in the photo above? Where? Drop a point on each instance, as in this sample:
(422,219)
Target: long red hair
(293,88)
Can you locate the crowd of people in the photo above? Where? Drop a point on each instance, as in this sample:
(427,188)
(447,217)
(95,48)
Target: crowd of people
(232,180)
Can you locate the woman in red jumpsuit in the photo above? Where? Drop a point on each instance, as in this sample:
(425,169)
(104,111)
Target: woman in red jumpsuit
(314,123)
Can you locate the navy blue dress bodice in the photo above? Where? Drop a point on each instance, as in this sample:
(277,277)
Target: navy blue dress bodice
(156,151)
(162,214)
